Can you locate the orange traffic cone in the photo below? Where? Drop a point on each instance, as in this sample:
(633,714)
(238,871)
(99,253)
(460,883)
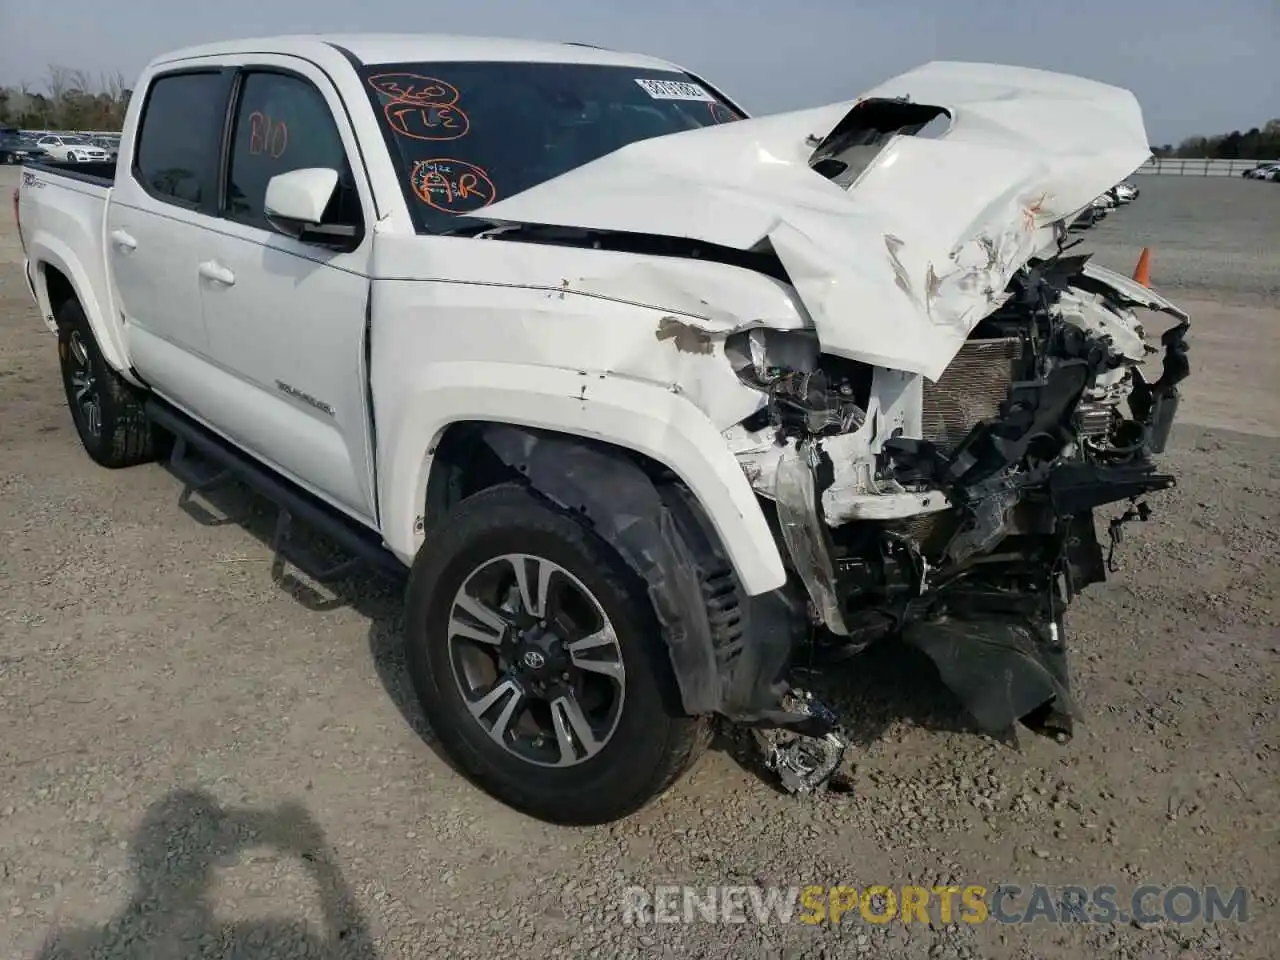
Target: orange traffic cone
(1142,273)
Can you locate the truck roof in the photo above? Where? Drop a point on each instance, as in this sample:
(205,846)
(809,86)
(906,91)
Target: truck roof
(374,48)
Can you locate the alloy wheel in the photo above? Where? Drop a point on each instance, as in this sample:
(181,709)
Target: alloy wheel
(537,660)
(85,386)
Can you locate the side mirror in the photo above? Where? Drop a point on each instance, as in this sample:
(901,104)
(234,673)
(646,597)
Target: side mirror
(296,201)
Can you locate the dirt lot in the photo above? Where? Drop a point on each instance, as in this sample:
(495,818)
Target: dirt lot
(195,761)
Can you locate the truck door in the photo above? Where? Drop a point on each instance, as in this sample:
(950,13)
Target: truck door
(163,201)
(285,317)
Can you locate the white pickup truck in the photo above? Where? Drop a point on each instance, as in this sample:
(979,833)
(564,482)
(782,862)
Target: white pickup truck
(645,395)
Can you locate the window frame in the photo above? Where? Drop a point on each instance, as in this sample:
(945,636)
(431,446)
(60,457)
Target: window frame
(226,77)
(242,73)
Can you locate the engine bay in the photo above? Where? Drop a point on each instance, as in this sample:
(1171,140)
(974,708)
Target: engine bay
(958,514)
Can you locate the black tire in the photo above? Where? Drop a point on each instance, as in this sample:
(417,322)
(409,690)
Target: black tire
(653,743)
(118,433)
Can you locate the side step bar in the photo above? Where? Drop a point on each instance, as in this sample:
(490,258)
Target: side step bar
(230,464)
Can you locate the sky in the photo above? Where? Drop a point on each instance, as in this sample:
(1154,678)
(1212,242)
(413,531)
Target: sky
(1196,66)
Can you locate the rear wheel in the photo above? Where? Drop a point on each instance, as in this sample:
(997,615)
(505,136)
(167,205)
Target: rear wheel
(107,410)
(537,659)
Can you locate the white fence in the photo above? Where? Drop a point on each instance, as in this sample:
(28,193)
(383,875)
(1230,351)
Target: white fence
(1198,168)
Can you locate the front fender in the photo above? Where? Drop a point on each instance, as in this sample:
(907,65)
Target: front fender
(654,421)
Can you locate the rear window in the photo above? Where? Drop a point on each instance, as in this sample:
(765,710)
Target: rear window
(465,135)
(176,159)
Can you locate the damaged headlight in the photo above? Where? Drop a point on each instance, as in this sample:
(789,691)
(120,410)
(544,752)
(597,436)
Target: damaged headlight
(809,394)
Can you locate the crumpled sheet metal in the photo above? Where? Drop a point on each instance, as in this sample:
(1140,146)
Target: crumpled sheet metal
(899,269)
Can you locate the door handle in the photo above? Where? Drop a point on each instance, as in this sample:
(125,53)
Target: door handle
(217,273)
(123,241)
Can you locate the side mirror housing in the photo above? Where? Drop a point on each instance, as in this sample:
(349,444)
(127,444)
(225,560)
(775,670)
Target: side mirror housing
(295,201)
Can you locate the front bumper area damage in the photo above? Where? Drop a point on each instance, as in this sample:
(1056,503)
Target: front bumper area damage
(956,515)
(941,397)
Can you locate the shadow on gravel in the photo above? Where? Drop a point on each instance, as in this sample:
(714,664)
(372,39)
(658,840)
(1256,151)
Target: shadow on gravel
(368,594)
(887,684)
(174,851)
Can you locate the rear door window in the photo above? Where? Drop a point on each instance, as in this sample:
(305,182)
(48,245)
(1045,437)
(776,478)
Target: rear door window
(176,157)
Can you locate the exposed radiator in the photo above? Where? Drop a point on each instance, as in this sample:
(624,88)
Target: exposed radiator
(971,389)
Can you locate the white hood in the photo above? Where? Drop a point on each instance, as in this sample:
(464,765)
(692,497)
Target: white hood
(897,269)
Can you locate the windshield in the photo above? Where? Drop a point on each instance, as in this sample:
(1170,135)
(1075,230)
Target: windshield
(465,135)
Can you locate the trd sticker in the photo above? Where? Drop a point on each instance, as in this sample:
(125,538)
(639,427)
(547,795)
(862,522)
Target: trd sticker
(675,90)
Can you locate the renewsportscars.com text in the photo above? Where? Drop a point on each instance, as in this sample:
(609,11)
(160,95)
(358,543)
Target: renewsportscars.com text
(972,904)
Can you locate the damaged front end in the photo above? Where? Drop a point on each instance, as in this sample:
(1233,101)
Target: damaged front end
(942,396)
(956,514)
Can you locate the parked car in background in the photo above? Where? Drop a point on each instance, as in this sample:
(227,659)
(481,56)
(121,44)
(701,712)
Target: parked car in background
(1263,171)
(15,149)
(73,149)
(109,144)
(1123,193)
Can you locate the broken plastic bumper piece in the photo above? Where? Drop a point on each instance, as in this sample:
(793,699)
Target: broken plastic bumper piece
(804,762)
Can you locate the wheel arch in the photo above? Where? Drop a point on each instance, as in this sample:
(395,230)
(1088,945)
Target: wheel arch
(59,278)
(644,511)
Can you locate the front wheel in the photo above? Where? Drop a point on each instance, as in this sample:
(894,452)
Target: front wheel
(536,656)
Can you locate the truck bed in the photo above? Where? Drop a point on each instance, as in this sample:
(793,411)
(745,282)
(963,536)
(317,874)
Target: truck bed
(62,209)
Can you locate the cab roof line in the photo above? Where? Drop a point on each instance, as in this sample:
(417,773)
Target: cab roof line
(351,57)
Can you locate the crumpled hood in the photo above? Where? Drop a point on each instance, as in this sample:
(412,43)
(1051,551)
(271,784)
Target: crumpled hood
(897,269)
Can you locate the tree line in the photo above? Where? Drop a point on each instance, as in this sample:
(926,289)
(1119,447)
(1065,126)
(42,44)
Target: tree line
(66,100)
(1256,144)
(75,100)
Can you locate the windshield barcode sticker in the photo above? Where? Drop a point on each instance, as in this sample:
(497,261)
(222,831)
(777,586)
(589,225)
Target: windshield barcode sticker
(675,90)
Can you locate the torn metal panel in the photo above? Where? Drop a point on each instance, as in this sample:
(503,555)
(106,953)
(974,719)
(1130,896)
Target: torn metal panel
(897,269)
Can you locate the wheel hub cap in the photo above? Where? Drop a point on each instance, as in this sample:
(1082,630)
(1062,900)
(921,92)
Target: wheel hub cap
(536,660)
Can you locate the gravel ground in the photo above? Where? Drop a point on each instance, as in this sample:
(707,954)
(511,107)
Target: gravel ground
(198,762)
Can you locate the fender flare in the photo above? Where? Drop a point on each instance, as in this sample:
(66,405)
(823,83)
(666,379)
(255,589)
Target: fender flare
(622,412)
(46,250)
